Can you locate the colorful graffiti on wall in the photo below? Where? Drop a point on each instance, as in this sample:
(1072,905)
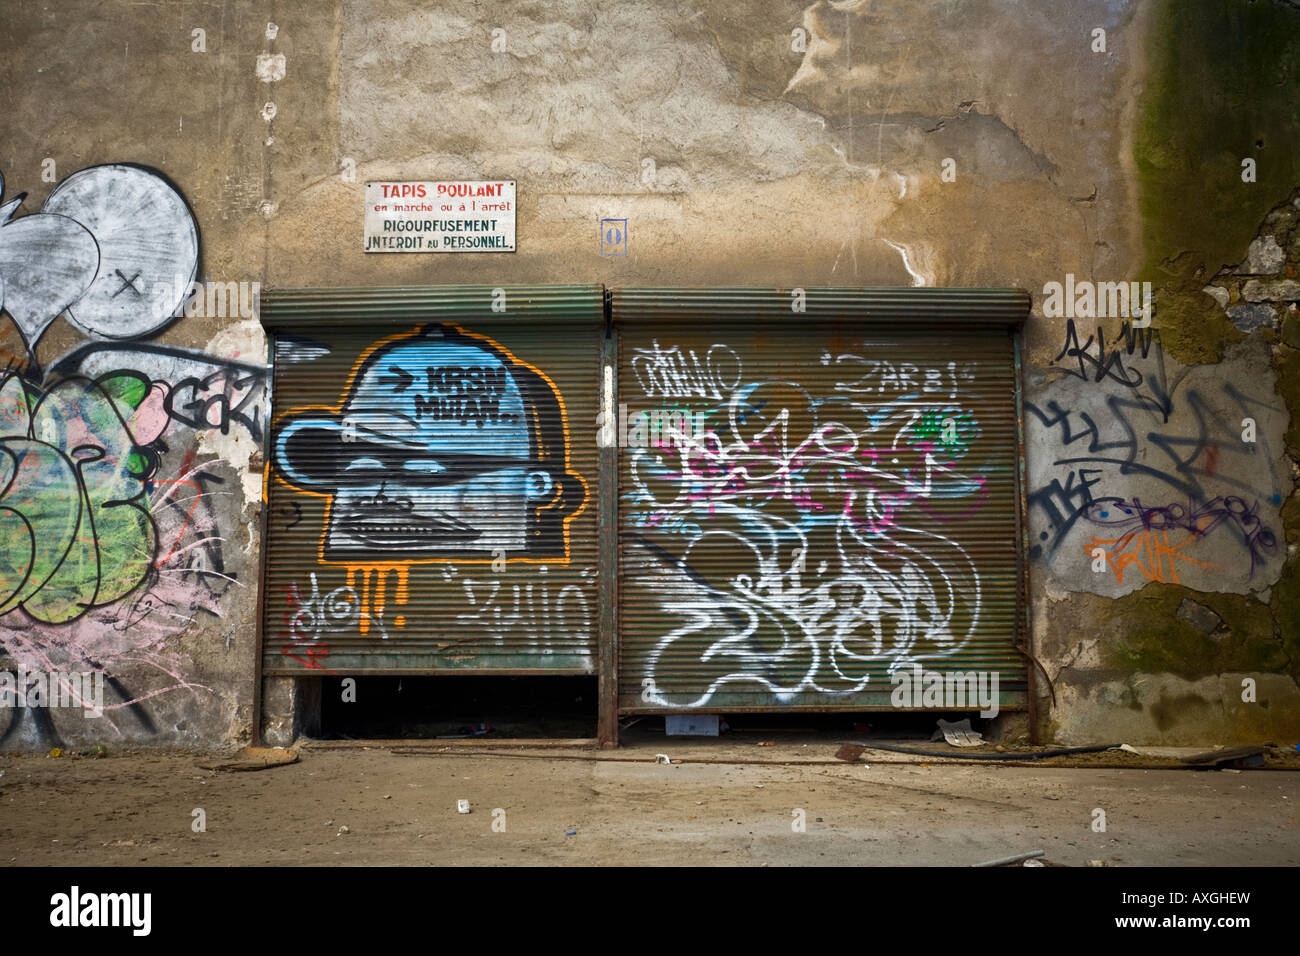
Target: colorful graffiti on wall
(1143,533)
(1167,474)
(110,545)
(443,449)
(802,534)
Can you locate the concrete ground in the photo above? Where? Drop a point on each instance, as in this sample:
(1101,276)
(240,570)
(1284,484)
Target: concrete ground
(356,806)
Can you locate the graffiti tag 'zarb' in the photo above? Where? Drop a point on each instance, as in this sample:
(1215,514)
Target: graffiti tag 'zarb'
(444,446)
(881,375)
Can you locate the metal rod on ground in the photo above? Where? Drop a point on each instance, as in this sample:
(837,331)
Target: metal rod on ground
(1034,755)
(1007,860)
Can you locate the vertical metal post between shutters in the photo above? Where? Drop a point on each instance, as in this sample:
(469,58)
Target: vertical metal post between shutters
(607,691)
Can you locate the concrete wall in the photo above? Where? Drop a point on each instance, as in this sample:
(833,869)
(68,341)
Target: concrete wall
(752,142)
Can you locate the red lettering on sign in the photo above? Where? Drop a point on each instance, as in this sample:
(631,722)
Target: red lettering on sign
(403,190)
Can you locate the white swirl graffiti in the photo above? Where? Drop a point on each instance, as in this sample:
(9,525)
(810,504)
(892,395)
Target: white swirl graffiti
(783,618)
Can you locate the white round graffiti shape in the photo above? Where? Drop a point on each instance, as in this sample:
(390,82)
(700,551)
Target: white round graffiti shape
(46,263)
(148,248)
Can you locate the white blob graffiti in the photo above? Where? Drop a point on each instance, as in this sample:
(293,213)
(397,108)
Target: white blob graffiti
(67,256)
(146,237)
(889,593)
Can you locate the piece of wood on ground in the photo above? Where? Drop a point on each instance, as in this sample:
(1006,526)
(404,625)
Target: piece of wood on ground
(1215,758)
(849,752)
(254,758)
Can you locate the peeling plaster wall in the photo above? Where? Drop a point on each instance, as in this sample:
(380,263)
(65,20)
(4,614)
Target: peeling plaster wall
(760,142)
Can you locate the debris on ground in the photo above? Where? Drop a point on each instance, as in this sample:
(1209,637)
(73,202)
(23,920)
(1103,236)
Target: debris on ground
(476,730)
(1008,860)
(958,733)
(692,725)
(1228,756)
(254,758)
(849,752)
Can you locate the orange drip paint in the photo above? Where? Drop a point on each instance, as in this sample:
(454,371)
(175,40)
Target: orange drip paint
(372,595)
(363,621)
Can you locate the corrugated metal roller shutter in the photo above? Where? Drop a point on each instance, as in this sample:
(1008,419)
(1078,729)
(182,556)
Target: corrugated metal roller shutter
(432,481)
(810,500)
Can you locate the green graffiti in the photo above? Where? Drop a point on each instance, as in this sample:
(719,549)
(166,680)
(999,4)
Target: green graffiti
(75,529)
(948,431)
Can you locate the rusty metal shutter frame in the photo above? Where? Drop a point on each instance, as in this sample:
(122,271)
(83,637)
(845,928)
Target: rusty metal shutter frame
(931,309)
(301,310)
(816,488)
(432,480)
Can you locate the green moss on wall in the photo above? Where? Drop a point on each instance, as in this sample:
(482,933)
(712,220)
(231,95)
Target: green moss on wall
(1286,615)
(1291,519)
(1193,328)
(1220,87)
(1153,639)
(1287,364)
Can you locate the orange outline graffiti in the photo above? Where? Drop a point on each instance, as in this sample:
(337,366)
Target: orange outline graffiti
(337,409)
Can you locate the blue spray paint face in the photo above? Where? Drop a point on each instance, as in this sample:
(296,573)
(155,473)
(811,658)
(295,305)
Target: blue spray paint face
(439,449)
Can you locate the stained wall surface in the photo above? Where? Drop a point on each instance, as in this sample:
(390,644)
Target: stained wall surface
(750,143)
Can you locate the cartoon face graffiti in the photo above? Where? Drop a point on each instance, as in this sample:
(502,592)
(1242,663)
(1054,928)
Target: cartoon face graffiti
(444,446)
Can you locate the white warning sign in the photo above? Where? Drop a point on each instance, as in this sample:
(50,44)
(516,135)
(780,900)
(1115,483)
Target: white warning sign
(441,216)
